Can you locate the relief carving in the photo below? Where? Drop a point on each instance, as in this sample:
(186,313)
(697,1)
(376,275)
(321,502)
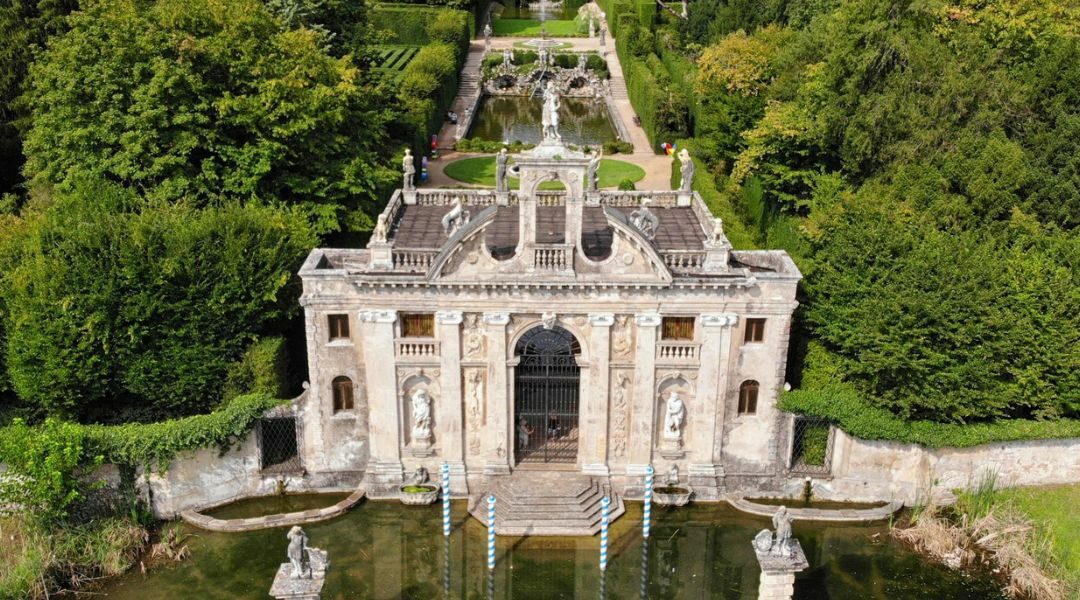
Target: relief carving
(623,344)
(620,430)
(474,337)
(474,403)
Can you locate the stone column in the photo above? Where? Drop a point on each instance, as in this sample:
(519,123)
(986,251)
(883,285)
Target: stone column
(496,445)
(706,469)
(642,424)
(594,422)
(384,412)
(777,580)
(449,419)
(574,211)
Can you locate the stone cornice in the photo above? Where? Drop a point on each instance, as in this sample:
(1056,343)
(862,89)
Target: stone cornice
(378,316)
(497,318)
(651,319)
(721,320)
(601,319)
(449,317)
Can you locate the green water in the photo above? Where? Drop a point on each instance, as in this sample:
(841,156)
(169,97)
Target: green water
(509,118)
(823,504)
(386,550)
(567,11)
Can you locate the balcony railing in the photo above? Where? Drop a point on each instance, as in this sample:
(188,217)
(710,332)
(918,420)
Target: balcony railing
(677,352)
(684,262)
(413,260)
(417,350)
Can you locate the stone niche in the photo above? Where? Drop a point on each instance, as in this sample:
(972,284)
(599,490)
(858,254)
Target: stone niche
(672,430)
(418,396)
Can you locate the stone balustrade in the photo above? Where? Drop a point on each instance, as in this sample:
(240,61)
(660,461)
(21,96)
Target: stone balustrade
(677,352)
(552,257)
(683,261)
(417,350)
(413,260)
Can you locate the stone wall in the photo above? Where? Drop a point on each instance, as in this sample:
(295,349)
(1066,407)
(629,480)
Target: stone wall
(865,470)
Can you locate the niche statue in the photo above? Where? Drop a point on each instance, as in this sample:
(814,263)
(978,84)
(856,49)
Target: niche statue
(421,415)
(673,417)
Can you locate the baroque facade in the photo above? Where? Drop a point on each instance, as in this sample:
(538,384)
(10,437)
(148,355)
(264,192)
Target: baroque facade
(576,329)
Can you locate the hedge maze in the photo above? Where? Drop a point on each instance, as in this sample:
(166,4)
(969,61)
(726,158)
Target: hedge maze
(392,60)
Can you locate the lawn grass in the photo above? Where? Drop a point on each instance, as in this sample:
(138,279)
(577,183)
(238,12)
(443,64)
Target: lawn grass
(480,170)
(1054,510)
(532,27)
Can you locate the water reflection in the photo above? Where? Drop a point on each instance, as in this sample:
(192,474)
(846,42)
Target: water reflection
(510,118)
(385,550)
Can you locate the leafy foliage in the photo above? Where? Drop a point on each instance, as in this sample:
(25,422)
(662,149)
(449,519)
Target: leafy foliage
(119,307)
(45,465)
(205,100)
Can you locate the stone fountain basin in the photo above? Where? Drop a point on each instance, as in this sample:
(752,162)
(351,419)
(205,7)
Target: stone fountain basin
(672,495)
(418,495)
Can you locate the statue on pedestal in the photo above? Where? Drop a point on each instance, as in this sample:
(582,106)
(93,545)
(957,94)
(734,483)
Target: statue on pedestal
(380,232)
(487,36)
(408,168)
(501,160)
(687,171)
(421,416)
(298,553)
(508,57)
(550,118)
(592,176)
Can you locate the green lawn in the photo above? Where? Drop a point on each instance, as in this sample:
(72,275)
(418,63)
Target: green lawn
(480,170)
(1055,509)
(531,28)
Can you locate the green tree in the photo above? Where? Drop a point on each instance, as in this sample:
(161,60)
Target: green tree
(206,100)
(120,307)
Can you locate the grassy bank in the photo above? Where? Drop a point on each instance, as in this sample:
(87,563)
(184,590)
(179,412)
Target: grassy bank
(1053,511)
(534,27)
(480,170)
(36,564)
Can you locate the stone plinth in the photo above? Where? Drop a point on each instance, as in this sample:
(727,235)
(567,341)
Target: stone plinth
(307,587)
(778,571)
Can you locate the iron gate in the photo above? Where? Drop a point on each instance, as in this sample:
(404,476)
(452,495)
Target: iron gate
(546,394)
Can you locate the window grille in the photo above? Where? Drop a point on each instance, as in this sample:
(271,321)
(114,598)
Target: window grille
(755,330)
(677,328)
(343,393)
(339,326)
(748,392)
(278,442)
(418,325)
(811,445)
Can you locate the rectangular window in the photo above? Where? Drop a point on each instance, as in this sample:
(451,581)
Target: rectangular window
(339,327)
(748,398)
(755,330)
(418,325)
(677,328)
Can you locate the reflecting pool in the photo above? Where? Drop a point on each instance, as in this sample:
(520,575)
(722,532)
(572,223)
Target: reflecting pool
(386,550)
(509,118)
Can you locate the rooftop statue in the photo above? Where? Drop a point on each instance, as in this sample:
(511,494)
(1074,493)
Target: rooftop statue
(592,174)
(456,218)
(550,117)
(408,168)
(645,220)
(501,160)
(687,171)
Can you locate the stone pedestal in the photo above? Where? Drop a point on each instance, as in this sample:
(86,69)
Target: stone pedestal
(307,587)
(777,580)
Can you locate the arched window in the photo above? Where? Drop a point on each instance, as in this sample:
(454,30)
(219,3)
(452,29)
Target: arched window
(343,395)
(748,397)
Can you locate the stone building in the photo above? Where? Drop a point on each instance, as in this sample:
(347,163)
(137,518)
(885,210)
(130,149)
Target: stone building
(575,330)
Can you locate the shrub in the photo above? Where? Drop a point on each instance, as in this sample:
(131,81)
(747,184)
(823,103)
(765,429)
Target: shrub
(490,146)
(45,468)
(626,185)
(260,370)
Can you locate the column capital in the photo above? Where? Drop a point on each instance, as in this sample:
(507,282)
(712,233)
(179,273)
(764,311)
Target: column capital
(649,319)
(719,320)
(378,316)
(497,318)
(601,319)
(448,317)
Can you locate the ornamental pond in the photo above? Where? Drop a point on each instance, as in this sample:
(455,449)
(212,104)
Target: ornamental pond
(382,549)
(517,118)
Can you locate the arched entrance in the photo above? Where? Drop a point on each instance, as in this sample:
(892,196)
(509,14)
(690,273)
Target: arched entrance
(546,396)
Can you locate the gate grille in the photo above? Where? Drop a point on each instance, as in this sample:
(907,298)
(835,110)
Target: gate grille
(811,445)
(278,442)
(546,396)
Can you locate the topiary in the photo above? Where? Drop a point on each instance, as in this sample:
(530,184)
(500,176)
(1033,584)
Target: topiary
(626,185)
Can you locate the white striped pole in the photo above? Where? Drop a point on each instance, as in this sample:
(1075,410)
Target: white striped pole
(646,520)
(491,532)
(645,569)
(605,502)
(446,500)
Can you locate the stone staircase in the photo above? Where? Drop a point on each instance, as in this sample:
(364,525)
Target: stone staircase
(618,88)
(546,504)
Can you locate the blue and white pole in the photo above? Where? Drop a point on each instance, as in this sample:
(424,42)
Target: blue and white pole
(491,532)
(646,517)
(446,500)
(605,503)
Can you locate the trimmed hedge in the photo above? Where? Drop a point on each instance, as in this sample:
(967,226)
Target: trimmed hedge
(848,410)
(419,26)
(261,369)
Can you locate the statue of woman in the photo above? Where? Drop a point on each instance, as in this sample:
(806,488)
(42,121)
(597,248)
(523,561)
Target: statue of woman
(408,169)
(782,523)
(297,552)
(673,417)
(592,177)
(550,116)
(500,170)
(687,171)
(421,413)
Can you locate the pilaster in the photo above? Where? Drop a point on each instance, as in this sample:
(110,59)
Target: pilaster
(450,405)
(594,422)
(706,470)
(496,445)
(384,418)
(643,418)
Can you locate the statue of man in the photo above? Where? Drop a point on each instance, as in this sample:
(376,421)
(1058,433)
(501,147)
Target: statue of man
(408,168)
(550,116)
(487,35)
(508,57)
(673,417)
(782,523)
(592,172)
(297,552)
(603,31)
(501,160)
(421,414)
(687,171)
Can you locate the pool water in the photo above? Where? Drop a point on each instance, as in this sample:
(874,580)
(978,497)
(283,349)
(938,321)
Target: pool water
(509,118)
(274,505)
(387,550)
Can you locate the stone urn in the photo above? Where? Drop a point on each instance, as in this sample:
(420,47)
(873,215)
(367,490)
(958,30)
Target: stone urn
(418,494)
(672,495)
